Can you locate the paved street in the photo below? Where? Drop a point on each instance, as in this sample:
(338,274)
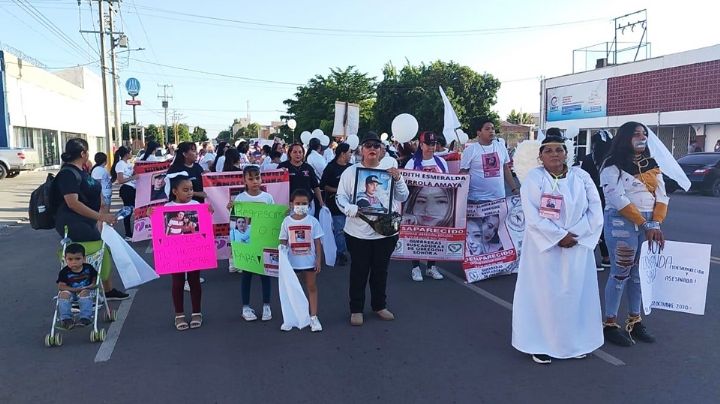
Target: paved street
(450,342)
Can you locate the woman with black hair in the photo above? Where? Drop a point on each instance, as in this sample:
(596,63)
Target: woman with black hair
(600,144)
(80,208)
(186,160)
(122,172)
(329,183)
(219,163)
(150,149)
(232,161)
(556,307)
(243,147)
(636,205)
(315,158)
(99,173)
(302,175)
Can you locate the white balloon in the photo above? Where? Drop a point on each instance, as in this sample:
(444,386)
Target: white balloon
(384,137)
(404,128)
(462,136)
(324,140)
(571,132)
(305,137)
(318,134)
(353,141)
(292,124)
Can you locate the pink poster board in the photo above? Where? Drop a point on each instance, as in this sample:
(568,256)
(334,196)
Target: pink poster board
(183,239)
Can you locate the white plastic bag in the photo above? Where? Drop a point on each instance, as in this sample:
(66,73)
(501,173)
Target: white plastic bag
(294,304)
(328,238)
(133,270)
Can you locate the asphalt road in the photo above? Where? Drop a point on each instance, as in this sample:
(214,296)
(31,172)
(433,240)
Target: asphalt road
(449,343)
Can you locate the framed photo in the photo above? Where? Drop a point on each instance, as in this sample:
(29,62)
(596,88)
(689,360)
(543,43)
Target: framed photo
(373,192)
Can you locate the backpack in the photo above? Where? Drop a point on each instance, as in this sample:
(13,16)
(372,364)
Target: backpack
(44,203)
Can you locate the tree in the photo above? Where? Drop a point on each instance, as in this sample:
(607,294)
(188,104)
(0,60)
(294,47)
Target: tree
(315,102)
(248,132)
(199,135)
(152,133)
(414,90)
(520,118)
(225,135)
(183,133)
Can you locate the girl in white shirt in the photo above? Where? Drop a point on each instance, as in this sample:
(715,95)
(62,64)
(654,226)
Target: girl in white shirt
(122,172)
(101,174)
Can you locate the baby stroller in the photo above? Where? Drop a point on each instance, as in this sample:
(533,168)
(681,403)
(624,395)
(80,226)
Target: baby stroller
(96,335)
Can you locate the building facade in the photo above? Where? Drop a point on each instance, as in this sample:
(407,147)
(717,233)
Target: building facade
(677,96)
(41,110)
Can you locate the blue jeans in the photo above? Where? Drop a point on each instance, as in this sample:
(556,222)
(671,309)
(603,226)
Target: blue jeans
(338,226)
(247,282)
(624,240)
(66,298)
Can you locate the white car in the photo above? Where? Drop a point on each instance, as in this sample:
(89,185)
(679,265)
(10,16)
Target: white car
(14,160)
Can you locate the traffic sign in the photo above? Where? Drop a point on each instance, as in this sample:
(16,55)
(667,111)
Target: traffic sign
(133,102)
(133,86)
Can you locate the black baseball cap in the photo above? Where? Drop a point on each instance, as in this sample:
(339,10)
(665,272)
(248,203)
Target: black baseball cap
(371,137)
(372,178)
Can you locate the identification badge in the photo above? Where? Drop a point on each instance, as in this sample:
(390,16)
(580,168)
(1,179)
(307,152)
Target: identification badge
(550,206)
(491,165)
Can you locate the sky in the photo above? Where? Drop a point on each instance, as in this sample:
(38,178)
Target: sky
(259,52)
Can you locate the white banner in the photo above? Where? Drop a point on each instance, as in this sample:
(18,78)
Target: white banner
(347,120)
(675,279)
(577,101)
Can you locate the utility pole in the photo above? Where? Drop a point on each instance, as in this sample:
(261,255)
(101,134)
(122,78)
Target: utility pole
(103,69)
(165,97)
(116,109)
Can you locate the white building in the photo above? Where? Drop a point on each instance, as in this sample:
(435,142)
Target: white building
(40,109)
(677,96)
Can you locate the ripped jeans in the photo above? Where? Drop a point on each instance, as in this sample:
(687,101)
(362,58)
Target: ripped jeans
(624,240)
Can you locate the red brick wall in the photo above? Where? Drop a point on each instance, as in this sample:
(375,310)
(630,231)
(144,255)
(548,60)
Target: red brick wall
(695,86)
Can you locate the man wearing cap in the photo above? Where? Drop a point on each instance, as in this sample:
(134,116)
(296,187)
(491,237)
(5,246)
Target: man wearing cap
(487,162)
(369,199)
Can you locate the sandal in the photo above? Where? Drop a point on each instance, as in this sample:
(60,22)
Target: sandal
(180,323)
(196,320)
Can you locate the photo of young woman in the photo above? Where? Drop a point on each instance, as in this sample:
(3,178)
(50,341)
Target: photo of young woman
(430,206)
(482,235)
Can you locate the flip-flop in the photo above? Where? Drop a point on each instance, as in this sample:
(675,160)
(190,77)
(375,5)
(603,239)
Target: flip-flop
(194,322)
(182,325)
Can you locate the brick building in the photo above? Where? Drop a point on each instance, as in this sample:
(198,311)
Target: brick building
(677,96)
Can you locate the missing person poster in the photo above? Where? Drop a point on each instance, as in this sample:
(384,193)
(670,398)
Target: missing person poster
(150,183)
(490,249)
(433,217)
(254,232)
(222,188)
(182,239)
(373,192)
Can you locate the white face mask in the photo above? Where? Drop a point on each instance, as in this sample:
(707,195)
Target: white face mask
(301,210)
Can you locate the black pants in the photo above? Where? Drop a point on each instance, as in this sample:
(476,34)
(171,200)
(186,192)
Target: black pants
(127,194)
(247,282)
(603,247)
(416,263)
(370,259)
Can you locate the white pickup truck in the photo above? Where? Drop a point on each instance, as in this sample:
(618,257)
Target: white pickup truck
(14,160)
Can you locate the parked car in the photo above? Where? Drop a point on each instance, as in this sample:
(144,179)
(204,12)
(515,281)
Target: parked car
(703,171)
(14,160)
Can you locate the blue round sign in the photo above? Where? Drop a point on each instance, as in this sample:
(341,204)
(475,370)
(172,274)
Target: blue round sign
(133,86)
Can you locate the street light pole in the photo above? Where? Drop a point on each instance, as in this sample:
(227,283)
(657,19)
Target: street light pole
(103,70)
(118,131)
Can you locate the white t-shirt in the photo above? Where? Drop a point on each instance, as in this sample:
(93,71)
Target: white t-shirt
(486,165)
(219,165)
(429,165)
(206,160)
(329,154)
(173,203)
(301,236)
(101,174)
(127,171)
(263,197)
(154,158)
(317,162)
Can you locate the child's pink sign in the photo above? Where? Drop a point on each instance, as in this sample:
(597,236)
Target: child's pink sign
(183,239)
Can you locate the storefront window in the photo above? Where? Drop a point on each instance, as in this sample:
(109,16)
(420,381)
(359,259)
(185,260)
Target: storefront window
(50,153)
(23,137)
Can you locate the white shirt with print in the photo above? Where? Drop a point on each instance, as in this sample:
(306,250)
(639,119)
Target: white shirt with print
(486,183)
(301,235)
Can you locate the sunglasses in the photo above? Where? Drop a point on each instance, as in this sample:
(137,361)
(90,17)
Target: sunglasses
(372,145)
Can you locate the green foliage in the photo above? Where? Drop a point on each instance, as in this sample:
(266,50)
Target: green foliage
(249,132)
(225,135)
(519,118)
(284,133)
(199,135)
(314,103)
(183,133)
(152,133)
(414,90)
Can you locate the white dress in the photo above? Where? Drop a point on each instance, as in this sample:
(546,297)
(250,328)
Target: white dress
(556,308)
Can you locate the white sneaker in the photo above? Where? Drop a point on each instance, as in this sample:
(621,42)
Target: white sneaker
(315,324)
(202,280)
(416,274)
(284,327)
(267,313)
(433,271)
(187,286)
(249,314)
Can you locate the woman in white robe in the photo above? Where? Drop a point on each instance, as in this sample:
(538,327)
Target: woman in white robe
(556,308)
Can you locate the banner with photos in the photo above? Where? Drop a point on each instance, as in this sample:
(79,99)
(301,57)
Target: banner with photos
(150,192)
(433,219)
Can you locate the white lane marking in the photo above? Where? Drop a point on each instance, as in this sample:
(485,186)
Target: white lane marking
(108,346)
(503,303)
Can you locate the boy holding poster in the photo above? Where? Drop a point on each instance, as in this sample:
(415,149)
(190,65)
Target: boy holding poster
(253,193)
(302,234)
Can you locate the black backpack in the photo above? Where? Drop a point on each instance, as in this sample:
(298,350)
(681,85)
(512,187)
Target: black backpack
(44,202)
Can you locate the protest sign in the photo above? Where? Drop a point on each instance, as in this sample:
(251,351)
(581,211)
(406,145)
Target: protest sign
(183,239)
(491,250)
(675,278)
(222,188)
(347,119)
(254,231)
(373,192)
(149,173)
(433,221)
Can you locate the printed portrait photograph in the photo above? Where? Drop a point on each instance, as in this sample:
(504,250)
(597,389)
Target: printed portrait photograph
(240,229)
(430,206)
(181,222)
(373,191)
(157,187)
(483,235)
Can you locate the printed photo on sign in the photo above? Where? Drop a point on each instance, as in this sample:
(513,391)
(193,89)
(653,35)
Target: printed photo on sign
(240,229)
(490,248)
(181,222)
(157,187)
(300,239)
(483,235)
(373,191)
(430,206)
(550,206)
(271,261)
(491,165)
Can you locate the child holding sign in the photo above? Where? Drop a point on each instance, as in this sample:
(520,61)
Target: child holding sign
(302,233)
(253,193)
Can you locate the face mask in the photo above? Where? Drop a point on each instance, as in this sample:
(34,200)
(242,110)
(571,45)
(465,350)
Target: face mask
(640,143)
(301,210)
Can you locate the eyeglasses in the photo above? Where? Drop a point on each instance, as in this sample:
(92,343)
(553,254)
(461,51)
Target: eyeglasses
(372,145)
